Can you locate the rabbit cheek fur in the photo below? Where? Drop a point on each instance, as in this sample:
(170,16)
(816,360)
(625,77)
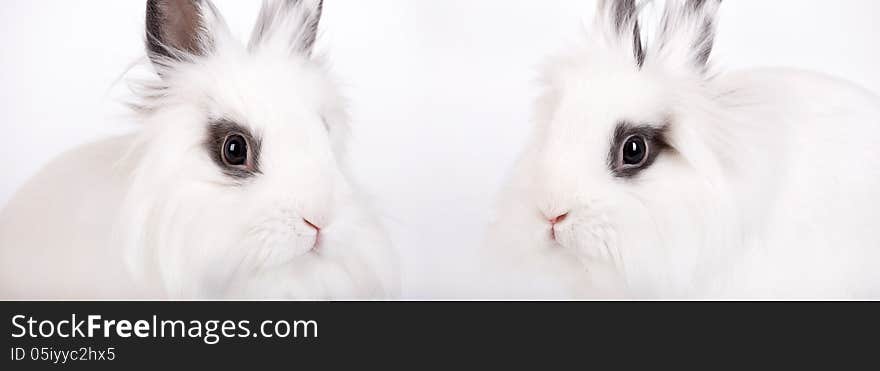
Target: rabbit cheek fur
(739,201)
(286,225)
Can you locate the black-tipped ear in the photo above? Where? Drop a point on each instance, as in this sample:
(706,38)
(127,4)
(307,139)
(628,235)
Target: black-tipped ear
(292,24)
(638,49)
(177,29)
(688,32)
(621,12)
(705,12)
(313,9)
(622,17)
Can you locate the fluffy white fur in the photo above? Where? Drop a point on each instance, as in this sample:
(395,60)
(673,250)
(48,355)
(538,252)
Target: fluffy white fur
(151,215)
(769,189)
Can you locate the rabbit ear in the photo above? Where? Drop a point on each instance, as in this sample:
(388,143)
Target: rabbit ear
(289,25)
(687,33)
(179,29)
(619,20)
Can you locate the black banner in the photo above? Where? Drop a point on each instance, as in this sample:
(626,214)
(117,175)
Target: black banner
(331,335)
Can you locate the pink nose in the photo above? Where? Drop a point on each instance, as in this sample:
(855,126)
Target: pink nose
(318,236)
(553,222)
(558,219)
(310,224)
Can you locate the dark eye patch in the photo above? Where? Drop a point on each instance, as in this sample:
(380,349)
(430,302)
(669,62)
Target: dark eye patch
(634,148)
(233,148)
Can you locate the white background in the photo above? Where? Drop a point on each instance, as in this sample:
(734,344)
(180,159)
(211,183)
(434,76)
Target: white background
(440,89)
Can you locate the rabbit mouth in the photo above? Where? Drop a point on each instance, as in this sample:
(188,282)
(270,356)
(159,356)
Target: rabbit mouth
(552,235)
(317,245)
(561,236)
(554,241)
(593,243)
(317,242)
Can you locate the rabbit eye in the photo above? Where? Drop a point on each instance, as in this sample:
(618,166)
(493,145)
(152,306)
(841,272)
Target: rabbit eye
(634,148)
(634,151)
(235,150)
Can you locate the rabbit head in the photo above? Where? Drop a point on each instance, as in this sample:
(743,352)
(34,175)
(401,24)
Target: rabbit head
(624,184)
(240,187)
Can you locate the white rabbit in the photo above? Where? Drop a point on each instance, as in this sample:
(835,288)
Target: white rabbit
(236,186)
(650,175)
